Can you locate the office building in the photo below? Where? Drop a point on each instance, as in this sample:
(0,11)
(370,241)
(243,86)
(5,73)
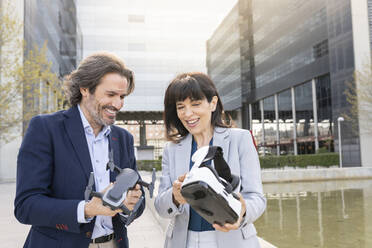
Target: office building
(283,67)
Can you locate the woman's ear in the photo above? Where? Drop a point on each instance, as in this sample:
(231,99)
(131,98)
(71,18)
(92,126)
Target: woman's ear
(214,102)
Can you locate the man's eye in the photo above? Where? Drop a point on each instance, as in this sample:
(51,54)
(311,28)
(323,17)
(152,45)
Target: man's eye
(121,97)
(196,104)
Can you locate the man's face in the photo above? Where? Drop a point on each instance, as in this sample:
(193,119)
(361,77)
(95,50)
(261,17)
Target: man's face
(102,106)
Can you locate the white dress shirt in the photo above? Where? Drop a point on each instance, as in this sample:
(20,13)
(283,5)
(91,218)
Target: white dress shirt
(99,156)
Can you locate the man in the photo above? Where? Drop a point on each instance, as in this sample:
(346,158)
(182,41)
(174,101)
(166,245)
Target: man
(60,150)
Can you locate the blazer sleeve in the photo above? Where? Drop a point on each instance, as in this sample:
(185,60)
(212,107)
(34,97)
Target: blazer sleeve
(163,202)
(34,202)
(251,184)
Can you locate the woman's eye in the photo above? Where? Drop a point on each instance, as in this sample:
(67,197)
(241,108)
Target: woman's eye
(179,107)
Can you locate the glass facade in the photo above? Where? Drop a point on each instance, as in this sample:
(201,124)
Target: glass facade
(257,124)
(304,118)
(324,110)
(224,61)
(299,53)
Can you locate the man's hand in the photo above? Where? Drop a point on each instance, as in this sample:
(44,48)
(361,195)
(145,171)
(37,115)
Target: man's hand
(227,227)
(132,197)
(95,207)
(176,191)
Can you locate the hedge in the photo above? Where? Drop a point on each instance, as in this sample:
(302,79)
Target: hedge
(147,165)
(302,161)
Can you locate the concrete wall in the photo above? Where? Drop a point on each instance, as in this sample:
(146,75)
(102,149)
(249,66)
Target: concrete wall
(362,52)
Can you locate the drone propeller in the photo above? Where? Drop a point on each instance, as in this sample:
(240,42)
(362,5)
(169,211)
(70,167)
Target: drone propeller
(149,186)
(152,184)
(89,188)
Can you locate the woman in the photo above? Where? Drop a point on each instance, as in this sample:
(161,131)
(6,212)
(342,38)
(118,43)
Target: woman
(193,116)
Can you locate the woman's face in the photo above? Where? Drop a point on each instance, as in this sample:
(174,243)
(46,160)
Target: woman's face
(196,115)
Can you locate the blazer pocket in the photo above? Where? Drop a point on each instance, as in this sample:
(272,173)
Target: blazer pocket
(40,239)
(248,231)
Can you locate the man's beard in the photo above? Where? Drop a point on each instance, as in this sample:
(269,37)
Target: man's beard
(95,109)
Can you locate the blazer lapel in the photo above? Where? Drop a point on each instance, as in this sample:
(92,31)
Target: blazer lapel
(221,138)
(182,156)
(114,145)
(75,132)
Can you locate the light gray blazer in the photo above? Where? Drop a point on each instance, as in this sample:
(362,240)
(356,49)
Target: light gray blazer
(241,155)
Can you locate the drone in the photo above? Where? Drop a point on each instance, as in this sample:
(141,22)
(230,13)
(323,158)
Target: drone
(114,196)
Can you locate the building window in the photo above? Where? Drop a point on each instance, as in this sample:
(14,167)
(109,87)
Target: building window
(257,123)
(324,110)
(304,119)
(320,49)
(270,124)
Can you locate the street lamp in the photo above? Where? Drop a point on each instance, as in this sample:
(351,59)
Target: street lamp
(339,120)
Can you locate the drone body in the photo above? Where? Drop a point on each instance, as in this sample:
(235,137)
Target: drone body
(114,196)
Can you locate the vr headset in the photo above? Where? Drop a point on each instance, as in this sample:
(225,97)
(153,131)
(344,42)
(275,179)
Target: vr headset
(211,191)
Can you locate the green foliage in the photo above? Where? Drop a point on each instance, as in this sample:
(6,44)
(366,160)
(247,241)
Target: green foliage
(147,165)
(359,96)
(302,161)
(324,159)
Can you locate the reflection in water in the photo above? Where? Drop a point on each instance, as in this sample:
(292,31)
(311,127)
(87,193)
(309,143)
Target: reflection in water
(319,214)
(298,216)
(320,220)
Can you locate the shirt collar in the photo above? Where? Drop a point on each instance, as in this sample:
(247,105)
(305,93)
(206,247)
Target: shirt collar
(88,129)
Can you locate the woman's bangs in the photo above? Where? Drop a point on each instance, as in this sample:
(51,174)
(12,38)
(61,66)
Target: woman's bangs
(188,89)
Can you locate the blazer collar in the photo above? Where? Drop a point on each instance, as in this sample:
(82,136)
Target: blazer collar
(114,145)
(220,138)
(183,155)
(75,132)
(183,149)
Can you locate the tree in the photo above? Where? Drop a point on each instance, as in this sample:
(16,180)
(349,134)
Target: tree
(26,78)
(359,95)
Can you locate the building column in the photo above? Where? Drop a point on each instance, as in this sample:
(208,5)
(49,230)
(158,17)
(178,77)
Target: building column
(250,117)
(277,125)
(294,121)
(315,113)
(142,134)
(263,127)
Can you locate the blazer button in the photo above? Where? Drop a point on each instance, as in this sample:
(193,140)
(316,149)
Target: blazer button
(88,234)
(170,210)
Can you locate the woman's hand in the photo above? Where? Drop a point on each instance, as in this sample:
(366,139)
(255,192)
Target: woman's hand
(176,191)
(227,227)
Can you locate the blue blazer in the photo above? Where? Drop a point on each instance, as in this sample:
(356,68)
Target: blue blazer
(53,168)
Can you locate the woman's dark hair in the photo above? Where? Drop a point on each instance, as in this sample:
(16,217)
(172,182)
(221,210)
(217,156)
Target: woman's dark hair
(196,86)
(89,74)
